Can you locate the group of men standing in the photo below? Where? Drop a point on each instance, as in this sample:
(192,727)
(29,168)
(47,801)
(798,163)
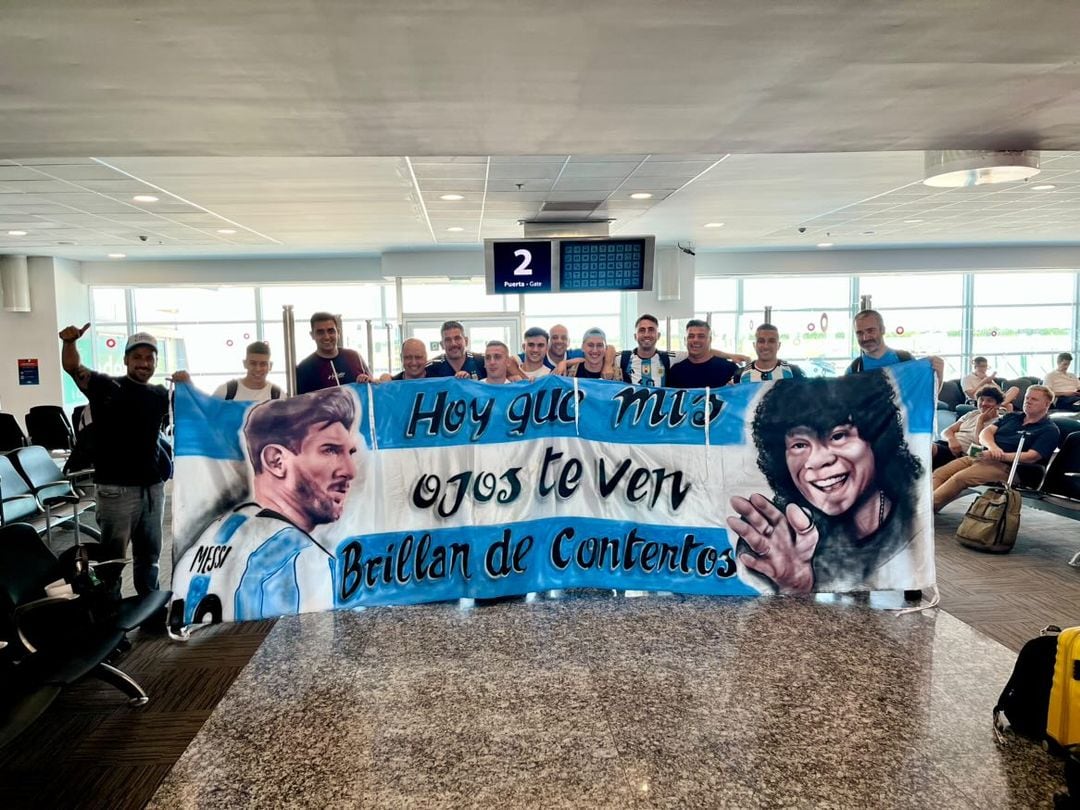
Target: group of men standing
(129,412)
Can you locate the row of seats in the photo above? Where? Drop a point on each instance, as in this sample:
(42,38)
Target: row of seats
(48,426)
(952,395)
(50,642)
(34,490)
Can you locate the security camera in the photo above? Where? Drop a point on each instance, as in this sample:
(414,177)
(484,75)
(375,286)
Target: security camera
(802,229)
(143,238)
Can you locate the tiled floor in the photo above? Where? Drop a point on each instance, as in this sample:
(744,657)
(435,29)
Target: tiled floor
(597,701)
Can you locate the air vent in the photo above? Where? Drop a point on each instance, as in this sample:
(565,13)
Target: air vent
(558,206)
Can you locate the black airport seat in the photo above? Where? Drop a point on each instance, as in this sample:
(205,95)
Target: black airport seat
(58,640)
(49,427)
(11,433)
(1063,475)
(951,394)
(57,499)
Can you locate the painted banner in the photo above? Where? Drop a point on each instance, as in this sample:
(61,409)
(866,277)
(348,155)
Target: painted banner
(439,489)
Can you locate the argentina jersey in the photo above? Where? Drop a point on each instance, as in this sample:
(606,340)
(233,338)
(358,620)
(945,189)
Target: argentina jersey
(782,371)
(651,371)
(252,564)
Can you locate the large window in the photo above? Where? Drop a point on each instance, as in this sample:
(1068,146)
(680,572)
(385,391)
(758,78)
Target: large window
(1019,321)
(1022,321)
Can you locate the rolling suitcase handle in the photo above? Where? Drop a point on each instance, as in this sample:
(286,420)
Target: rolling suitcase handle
(1016,460)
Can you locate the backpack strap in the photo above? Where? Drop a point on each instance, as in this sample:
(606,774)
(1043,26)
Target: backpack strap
(231,387)
(275,392)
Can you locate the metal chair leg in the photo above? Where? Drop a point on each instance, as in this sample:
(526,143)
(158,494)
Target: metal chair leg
(122,681)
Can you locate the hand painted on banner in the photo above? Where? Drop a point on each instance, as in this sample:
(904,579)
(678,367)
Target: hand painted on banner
(783,542)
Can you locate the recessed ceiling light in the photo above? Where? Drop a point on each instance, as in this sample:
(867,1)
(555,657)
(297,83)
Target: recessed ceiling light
(144,198)
(17,233)
(824,244)
(227,231)
(714,224)
(1044,187)
(455,229)
(641,195)
(451,197)
(912,221)
(117,255)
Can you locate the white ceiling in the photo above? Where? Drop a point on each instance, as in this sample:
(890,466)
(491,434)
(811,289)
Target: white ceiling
(321,128)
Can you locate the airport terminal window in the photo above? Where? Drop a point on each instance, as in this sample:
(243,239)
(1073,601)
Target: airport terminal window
(459,295)
(577,312)
(1022,340)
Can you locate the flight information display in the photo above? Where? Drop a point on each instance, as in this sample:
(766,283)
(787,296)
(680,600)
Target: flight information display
(587,264)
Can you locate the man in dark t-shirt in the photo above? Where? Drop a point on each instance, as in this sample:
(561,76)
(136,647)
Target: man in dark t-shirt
(701,368)
(328,365)
(1000,442)
(456,360)
(130,464)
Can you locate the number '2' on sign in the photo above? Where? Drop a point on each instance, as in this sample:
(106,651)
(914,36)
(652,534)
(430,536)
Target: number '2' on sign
(523,269)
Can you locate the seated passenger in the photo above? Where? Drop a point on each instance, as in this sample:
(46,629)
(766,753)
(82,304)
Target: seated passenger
(980,377)
(414,362)
(456,360)
(768,366)
(1000,441)
(700,369)
(253,386)
(958,437)
(1065,385)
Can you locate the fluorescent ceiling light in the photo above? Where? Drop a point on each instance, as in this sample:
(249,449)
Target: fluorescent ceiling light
(451,197)
(641,195)
(962,168)
(825,244)
(17,233)
(1044,187)
(455,229)
(117,255)
(227,231)
(714,224)
(144,198)
(912,221)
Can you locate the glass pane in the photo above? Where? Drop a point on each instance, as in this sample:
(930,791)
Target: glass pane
(110,304)
(108,349)
(560,305)
(795,292)
(576,326)
(459,295)
(1028,331)
(929,331)
(723,330)
(346,300)
(899,290)
(715,294)
(807,337)
(193,304)
(1023,288)
(203,349)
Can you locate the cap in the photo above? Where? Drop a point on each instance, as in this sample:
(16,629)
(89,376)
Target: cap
(141,339)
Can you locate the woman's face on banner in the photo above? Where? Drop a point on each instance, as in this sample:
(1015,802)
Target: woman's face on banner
(832,471)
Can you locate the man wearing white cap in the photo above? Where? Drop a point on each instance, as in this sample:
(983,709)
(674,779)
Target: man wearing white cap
(130,464)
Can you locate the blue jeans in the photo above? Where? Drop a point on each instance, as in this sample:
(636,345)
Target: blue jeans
(133,514)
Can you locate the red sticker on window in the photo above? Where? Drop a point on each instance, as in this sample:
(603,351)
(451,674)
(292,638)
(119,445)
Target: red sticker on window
(899,330)
(111,343)
(810,327)
(228,342)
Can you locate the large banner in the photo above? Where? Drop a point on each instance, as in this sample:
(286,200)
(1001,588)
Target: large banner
(439,489)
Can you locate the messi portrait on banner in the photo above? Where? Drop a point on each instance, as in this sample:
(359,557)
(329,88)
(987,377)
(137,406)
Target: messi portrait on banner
(440,489)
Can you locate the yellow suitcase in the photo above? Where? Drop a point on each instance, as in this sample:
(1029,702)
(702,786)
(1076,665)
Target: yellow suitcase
(1063,718)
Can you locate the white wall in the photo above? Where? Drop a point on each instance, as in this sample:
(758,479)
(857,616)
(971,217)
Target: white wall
(31,334)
